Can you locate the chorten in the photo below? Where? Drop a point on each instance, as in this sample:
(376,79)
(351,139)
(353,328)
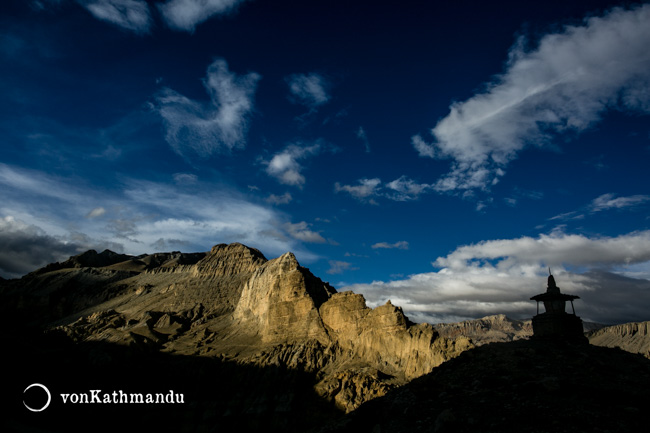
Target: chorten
(555,322)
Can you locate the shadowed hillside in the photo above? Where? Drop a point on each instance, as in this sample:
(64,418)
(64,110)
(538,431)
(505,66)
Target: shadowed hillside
(519,386)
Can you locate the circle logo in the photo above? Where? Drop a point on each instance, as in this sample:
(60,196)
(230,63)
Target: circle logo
(47,391)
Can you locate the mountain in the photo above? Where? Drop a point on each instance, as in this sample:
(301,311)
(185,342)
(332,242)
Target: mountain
(632,337)
(230,308)
(489,329)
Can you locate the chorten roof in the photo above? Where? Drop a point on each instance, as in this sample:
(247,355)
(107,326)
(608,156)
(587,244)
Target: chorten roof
(553,293)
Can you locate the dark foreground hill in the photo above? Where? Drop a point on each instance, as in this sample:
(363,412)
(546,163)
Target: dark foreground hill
(520,386)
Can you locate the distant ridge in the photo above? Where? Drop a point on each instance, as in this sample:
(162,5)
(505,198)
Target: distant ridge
(631,337)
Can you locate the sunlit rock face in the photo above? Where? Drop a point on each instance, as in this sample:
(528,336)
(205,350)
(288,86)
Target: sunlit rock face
(632,337)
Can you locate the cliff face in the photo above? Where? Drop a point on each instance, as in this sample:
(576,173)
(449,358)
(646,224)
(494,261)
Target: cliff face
(280,302)
(631,337)
(233,304)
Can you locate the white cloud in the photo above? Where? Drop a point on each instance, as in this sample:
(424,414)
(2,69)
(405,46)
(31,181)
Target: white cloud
(187,14)
(285,166)
(310,90)
(423,148)
(401,245)
(132,15)
(216,127)
(500,276)
(610,201)
(401,189)
(302,232)
(564,84)
(556,250)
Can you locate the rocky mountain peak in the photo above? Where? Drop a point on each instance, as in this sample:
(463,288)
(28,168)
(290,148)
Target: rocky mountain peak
(231,259)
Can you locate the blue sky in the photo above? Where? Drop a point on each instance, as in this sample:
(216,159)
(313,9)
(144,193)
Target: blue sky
(438,154)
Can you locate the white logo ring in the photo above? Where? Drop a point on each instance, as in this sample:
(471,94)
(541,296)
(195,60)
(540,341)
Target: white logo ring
(47,391)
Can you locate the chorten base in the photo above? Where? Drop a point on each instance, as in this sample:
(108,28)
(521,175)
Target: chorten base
(562,326)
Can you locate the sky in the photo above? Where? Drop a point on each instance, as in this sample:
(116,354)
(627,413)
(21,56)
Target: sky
(441,155)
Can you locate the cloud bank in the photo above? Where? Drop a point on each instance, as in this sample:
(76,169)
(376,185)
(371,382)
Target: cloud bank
(216,127)
(610,274)
(25,247)
(49,218)
(565,84)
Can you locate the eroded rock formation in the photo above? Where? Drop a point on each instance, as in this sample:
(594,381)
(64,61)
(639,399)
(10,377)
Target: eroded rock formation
(631,337)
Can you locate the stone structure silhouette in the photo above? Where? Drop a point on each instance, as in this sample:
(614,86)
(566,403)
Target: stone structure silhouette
(555,323)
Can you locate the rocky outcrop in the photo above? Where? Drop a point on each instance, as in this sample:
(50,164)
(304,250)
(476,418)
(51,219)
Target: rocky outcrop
(280,302)
(632,337)
(384,334)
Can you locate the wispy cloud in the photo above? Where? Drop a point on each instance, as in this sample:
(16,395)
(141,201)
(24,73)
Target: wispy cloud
(185,178)
(285,165)
(365,190)
(310,90)
(400,245)
(602,203)
(610,201)
(361,135)
(187,14)
(302,232)
(136,15)
(404,189)
(401,189)
(338,267)
(96,212)
(279,199)
(499,277)
(562,85)
(214,127)
(133,15)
